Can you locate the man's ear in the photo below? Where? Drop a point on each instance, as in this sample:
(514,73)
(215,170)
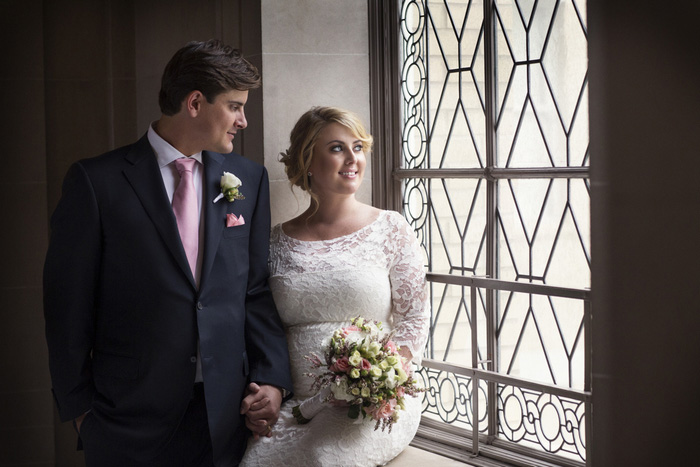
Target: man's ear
(193,103)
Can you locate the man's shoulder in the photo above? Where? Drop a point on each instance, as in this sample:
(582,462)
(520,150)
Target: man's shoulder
(117,156)
(234,158)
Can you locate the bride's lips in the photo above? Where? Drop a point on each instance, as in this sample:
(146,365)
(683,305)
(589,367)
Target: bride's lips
(349,174)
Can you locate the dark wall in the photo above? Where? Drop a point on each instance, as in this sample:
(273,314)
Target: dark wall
(78,78)
(645,162)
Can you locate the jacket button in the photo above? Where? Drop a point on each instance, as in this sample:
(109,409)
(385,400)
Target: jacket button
(193,359)
(199,305)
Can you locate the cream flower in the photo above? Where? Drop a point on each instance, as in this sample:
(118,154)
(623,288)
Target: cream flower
(355,359)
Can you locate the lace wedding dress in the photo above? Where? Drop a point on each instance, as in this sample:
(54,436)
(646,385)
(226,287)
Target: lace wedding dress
(376,272)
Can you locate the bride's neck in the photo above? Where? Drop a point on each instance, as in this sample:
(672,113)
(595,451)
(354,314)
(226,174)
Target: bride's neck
(331,220)
(333,211)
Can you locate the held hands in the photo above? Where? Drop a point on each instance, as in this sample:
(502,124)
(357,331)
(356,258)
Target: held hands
(261,407)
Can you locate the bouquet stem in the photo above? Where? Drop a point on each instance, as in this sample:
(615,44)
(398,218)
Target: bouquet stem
(308,409)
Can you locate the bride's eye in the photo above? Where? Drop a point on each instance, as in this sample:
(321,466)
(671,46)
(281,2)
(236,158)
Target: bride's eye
(336,148)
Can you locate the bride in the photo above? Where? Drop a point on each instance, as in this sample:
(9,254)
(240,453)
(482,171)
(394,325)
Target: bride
(338,260)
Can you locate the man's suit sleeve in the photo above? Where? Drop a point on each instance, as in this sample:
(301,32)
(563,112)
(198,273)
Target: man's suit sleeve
(70,282)
(266,344)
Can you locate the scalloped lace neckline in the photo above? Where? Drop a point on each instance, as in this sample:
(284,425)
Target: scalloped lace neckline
(356,232)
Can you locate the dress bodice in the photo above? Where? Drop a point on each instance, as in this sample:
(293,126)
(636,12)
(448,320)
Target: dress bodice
(376,272)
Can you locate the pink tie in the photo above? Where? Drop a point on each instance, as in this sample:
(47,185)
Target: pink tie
(186,210)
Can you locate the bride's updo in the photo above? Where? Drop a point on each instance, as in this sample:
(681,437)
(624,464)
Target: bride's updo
(297,159)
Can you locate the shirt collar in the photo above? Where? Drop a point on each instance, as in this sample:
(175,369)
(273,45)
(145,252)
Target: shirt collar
(165,152)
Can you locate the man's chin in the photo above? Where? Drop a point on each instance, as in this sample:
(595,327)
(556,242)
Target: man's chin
(223,149)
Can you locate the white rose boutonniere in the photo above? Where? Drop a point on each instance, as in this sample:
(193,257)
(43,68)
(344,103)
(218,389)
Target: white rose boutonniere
(229,188)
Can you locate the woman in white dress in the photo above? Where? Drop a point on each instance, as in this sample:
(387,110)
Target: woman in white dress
(338,260)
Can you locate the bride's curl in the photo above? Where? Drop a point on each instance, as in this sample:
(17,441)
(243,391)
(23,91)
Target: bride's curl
(297,159)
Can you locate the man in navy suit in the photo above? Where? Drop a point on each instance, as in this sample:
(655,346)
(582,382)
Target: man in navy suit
(163,354)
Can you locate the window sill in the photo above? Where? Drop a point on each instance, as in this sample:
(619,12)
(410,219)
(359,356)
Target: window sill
(450,447)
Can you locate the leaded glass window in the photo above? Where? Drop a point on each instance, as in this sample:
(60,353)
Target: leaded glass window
(494,178)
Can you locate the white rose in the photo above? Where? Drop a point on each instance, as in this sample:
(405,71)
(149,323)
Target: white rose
(390,380)
(354,338)
(228,180)
(340,391)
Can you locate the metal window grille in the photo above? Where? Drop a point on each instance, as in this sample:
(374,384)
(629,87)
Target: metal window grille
(491,170)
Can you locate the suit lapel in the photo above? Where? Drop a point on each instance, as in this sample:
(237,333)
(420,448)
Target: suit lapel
(214,213)
(146,180)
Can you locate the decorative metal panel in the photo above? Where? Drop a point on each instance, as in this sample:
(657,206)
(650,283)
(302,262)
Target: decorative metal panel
(533,418)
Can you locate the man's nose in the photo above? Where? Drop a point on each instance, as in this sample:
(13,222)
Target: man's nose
(241,122)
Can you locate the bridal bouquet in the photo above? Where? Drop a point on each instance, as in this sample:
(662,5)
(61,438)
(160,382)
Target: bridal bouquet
(363,368)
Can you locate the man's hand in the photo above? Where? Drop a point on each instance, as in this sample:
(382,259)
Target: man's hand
(261,407)
(79,421)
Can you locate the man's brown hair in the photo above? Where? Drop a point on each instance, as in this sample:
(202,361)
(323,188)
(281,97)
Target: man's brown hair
(209,67)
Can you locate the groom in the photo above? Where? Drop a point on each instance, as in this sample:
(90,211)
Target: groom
(165,347)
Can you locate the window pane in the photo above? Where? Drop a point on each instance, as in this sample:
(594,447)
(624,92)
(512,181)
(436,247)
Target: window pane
(541,71)
(543,227)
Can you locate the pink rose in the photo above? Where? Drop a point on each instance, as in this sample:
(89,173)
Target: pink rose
(385,410)
(391,346)
(366,365)
(342,365)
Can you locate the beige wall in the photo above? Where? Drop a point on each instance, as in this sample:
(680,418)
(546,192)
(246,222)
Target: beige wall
(315,52)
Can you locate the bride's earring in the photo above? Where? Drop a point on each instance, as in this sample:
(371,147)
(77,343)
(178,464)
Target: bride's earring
(309,174)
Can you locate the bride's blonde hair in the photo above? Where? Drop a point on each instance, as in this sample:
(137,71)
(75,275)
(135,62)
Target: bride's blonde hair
(297,159)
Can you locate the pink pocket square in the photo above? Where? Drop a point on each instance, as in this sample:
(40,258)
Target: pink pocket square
(232,220)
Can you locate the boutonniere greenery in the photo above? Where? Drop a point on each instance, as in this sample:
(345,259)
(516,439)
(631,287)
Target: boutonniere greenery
(229,188)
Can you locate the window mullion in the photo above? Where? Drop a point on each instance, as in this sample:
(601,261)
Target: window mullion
(492,208)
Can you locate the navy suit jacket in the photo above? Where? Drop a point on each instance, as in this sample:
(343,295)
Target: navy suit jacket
(123,313)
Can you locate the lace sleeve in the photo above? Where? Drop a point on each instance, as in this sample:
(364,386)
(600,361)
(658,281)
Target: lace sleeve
(408,288)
